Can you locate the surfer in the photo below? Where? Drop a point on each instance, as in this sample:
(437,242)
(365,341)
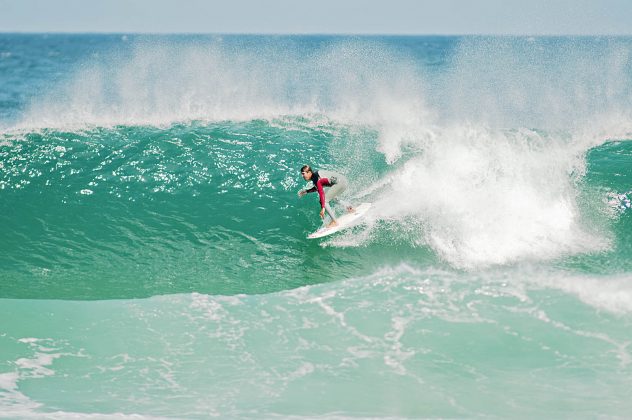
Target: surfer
(336,183)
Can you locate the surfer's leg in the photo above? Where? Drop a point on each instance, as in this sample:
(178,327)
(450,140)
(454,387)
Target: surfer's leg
(338,188)
(331,214)
(332,194)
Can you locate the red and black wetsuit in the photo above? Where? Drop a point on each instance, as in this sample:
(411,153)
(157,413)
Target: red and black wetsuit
(319,183)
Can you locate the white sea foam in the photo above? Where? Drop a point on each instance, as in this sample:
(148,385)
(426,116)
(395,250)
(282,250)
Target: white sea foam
(478,186)
(612,293)
(479,196)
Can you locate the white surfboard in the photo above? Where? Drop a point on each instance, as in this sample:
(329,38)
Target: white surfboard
(344,222)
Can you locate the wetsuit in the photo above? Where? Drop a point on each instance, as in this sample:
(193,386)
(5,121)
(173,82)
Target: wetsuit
(321,179)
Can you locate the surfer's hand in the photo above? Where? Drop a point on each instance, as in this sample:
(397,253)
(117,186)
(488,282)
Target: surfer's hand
(322,213)
(302,193)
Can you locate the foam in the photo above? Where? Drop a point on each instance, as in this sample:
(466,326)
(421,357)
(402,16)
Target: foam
(480,196)
(612,294)
(475,183)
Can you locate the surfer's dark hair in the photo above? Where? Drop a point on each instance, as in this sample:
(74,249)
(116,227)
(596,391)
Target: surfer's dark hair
(306,168)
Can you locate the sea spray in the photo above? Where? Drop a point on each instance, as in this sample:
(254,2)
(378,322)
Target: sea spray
(483,196)
(161,83)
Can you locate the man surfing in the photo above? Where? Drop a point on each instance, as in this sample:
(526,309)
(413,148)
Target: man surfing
(336,184)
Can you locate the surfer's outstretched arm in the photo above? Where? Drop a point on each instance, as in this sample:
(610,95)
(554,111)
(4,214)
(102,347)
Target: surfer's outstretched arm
(311,190)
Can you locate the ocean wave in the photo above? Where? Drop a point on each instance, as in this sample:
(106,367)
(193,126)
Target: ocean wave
(201,201)
(471,185)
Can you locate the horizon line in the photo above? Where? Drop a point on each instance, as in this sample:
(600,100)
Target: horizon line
(394,34)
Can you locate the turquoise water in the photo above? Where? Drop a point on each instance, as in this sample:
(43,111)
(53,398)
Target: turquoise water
(153,260)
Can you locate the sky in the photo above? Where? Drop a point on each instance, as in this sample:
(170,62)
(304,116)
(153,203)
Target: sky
(405,17)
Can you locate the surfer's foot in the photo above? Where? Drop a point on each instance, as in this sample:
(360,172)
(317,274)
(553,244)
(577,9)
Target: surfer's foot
(332,224)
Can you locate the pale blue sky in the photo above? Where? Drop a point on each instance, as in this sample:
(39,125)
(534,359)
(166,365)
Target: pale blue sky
(536,17)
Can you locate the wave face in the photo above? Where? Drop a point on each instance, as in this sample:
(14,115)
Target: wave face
(153,245)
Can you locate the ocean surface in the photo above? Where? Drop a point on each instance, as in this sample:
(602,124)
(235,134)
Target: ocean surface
(153,251)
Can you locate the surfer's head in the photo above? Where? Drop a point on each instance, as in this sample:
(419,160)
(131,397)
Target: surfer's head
(306,171)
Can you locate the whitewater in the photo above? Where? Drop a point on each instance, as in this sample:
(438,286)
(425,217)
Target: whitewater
(153,253)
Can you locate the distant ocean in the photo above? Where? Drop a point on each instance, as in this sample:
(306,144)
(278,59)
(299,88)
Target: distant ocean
(153,251)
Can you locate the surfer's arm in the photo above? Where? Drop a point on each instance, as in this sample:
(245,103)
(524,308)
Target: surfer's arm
(303,192)
(321,191)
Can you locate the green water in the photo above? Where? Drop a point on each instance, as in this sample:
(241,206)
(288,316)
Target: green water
(136,212)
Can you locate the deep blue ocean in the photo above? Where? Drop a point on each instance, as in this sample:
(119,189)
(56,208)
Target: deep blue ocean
(153,251)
